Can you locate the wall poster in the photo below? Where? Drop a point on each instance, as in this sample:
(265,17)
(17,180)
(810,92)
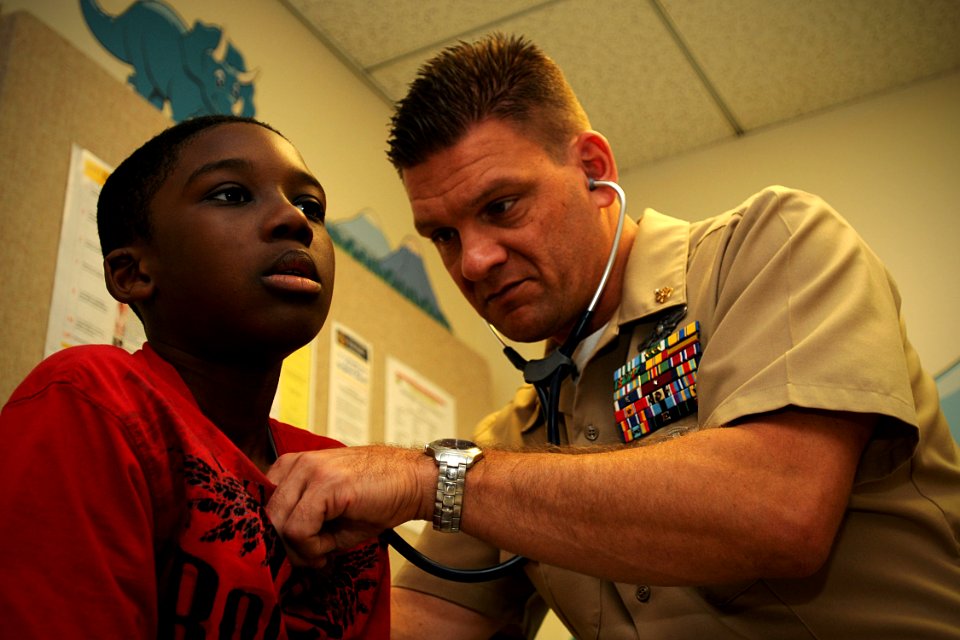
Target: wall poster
(948,385)
(81,309)
(293,402)
(418,411)
(348,415)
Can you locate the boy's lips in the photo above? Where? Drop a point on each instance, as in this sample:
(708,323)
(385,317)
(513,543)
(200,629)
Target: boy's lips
(294,271)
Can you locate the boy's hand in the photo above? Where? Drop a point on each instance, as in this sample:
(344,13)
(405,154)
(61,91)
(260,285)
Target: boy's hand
(336,498)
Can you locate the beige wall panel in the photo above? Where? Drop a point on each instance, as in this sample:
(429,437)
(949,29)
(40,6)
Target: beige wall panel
(51,96)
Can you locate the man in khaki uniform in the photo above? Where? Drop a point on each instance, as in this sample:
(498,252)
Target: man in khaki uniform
(801,481)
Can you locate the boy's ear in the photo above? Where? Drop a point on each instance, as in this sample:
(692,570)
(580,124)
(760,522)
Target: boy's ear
(126,275)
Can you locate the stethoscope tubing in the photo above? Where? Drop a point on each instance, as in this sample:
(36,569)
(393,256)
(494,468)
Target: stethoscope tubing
(421,561)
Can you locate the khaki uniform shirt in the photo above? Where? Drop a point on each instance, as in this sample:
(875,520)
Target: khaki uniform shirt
(794,310)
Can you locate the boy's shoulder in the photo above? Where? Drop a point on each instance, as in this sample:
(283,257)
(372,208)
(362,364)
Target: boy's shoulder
(83,366)
(99,352)
(101,357)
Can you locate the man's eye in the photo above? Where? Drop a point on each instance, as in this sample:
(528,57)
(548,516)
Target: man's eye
(499,207)
(230,194)
(313,209)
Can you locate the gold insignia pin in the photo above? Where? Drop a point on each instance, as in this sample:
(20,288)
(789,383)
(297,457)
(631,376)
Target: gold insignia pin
(663,294)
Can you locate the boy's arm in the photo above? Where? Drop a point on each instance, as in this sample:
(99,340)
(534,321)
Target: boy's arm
(76,535)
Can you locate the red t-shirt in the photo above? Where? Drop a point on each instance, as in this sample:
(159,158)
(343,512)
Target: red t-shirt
(125,513)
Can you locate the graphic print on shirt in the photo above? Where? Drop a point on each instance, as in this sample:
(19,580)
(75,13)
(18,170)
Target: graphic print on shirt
(227,498)
(228,569)
(335,587)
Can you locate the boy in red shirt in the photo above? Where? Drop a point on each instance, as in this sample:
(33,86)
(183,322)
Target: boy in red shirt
(134,484)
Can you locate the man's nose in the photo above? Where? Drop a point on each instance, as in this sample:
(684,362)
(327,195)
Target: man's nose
(480,253)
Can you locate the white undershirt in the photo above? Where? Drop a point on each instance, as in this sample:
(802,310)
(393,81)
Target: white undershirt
(586,348)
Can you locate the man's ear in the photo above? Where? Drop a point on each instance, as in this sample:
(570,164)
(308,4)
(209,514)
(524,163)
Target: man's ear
(126,275)
(596,159)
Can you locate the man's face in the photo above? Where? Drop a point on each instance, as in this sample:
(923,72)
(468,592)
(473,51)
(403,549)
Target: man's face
(240,258)
(516,229)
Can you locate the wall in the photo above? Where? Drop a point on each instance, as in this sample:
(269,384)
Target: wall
(890,165)
(40,118)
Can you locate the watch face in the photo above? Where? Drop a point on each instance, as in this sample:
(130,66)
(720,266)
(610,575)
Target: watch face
(454,447)
(454,443)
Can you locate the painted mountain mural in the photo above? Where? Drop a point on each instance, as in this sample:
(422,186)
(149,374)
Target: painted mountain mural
(363,230)
(402,268)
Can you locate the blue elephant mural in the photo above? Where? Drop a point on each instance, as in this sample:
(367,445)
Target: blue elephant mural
(197,70)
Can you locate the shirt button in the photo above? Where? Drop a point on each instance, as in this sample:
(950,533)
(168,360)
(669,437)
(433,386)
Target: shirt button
(643,593)
(592,432)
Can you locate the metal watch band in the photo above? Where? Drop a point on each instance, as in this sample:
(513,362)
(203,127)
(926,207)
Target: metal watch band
(449,502)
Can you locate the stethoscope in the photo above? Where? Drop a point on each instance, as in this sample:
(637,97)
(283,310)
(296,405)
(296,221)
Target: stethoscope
(546,375)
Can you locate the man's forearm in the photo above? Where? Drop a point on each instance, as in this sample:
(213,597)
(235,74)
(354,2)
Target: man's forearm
(762,499)
(720,505)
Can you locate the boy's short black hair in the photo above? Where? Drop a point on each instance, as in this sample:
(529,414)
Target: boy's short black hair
(499,77)
(123,209)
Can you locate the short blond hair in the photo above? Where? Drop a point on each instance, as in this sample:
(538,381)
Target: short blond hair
(499,77)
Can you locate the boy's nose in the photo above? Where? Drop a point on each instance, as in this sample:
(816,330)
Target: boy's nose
(286,220)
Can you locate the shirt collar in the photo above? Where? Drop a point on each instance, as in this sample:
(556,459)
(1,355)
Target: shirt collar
(655,277)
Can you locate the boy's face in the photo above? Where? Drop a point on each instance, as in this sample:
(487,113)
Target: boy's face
(241,262)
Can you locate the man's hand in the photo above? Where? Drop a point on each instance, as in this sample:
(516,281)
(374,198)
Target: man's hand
(337,498)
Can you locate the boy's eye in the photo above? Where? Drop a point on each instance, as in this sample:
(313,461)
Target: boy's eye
(443,236)
(312,208)
(232,194)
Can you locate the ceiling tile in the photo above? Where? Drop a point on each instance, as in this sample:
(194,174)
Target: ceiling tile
(772,60)
(636,85)
(375,31)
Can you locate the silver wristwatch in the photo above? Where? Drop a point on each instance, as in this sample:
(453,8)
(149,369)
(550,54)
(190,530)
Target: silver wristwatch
(453,458)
